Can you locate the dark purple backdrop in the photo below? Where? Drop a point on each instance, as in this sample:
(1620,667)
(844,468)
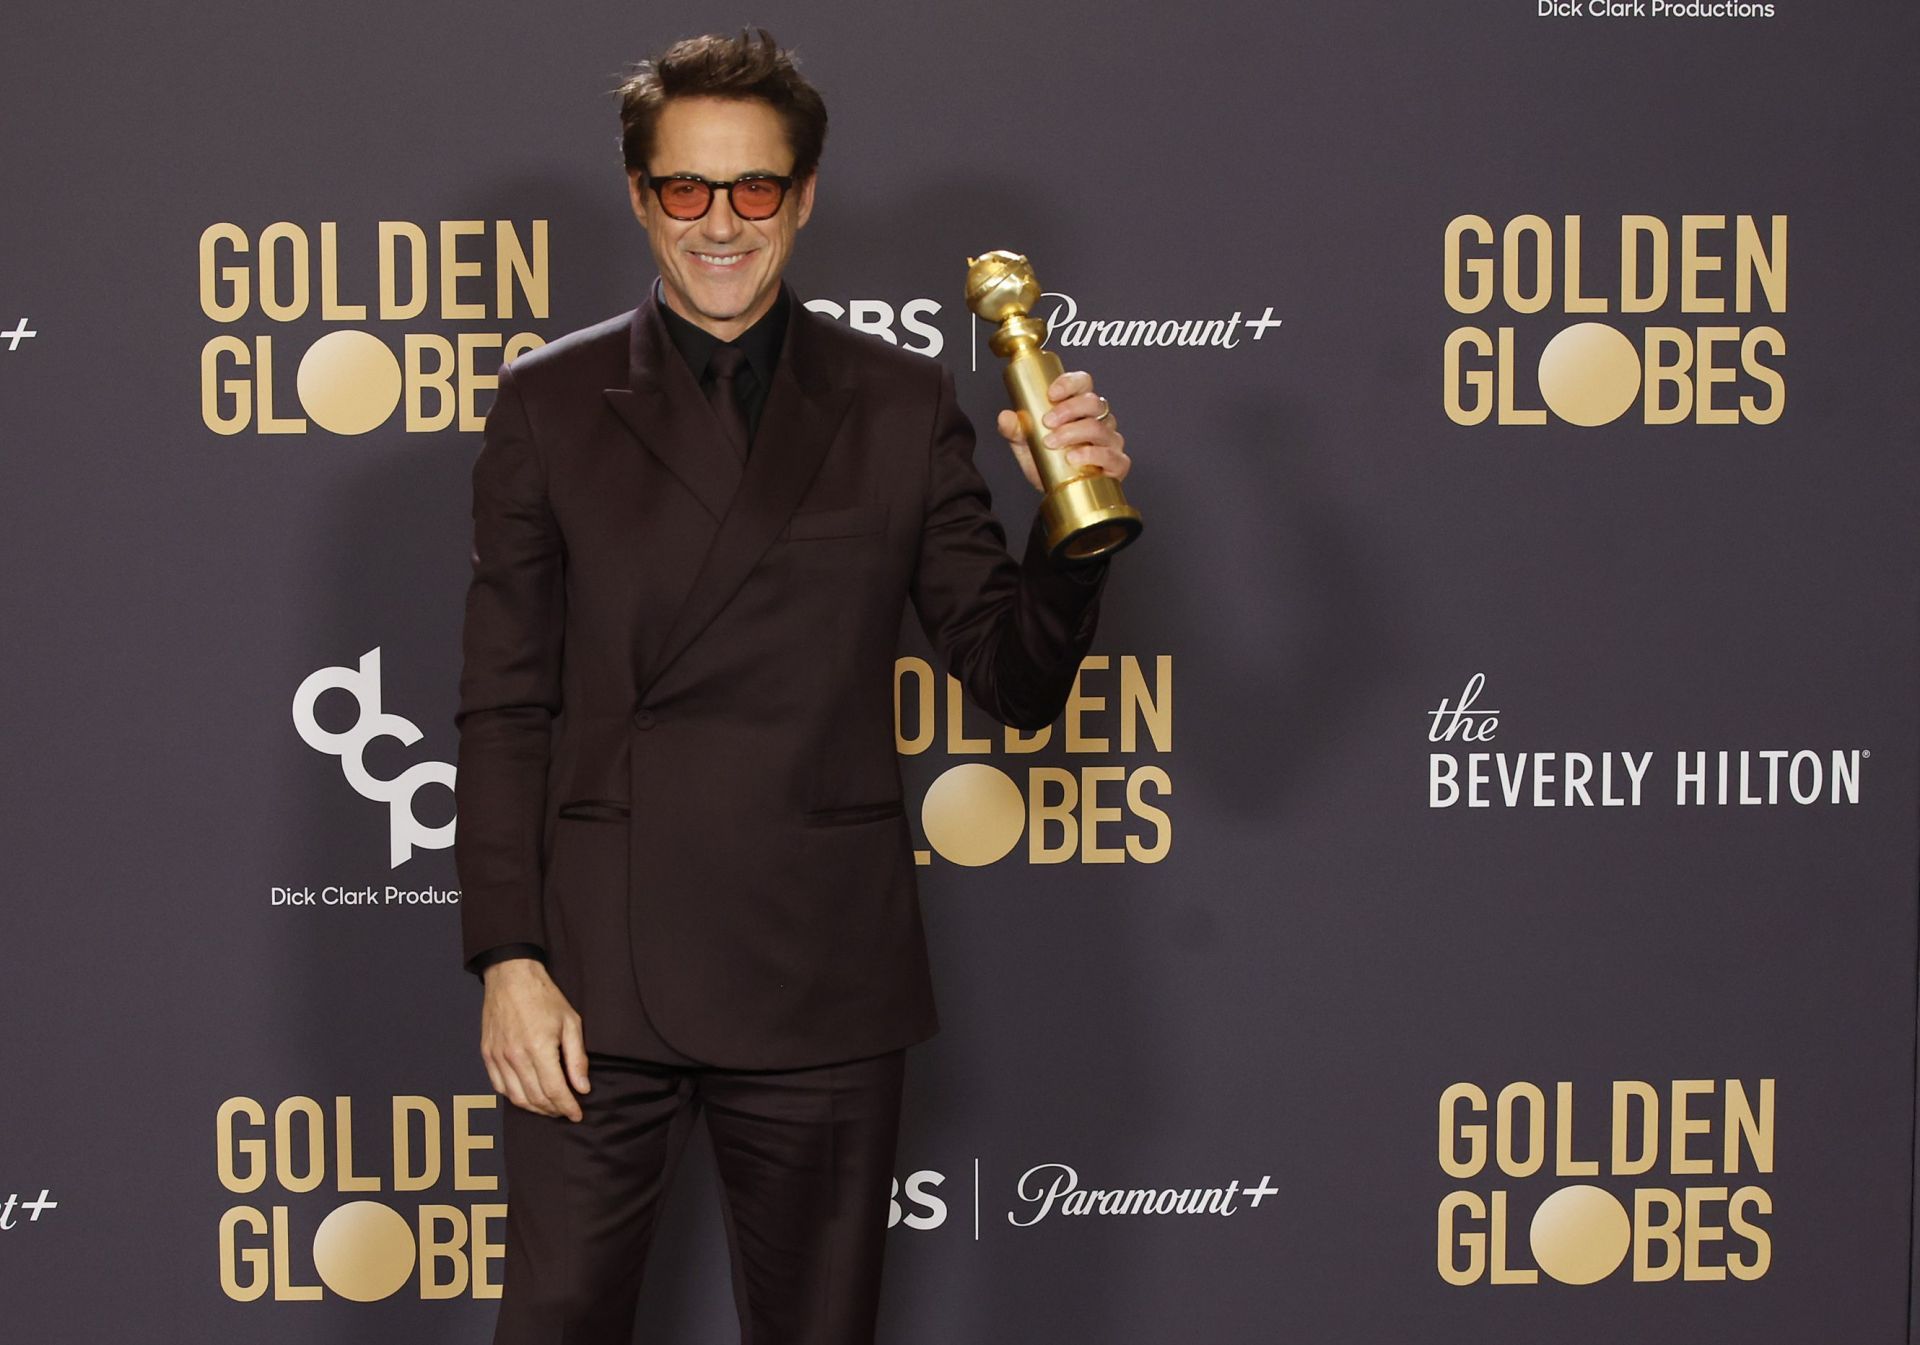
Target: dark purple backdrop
(1281,999)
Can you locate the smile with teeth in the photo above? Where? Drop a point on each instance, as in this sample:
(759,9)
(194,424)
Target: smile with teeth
(721,258)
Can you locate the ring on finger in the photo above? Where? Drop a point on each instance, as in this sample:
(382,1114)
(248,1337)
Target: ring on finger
(1106,410)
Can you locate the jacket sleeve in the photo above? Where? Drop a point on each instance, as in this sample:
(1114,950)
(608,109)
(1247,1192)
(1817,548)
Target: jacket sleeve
(509,684)
(1013,632)
(479,962)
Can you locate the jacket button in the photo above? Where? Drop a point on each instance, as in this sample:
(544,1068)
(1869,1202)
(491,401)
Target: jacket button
(643,720)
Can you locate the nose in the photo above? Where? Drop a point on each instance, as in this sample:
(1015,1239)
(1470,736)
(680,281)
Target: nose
(720,223)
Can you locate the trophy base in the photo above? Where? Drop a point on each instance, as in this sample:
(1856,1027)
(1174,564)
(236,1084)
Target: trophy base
(1087,517)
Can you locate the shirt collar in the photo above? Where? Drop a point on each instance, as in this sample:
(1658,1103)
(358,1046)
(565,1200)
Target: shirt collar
(760,343)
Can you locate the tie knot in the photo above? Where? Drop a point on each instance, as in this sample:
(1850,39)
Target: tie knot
(726,362)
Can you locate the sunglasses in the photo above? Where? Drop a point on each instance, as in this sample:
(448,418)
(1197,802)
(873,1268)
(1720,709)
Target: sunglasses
(687,196)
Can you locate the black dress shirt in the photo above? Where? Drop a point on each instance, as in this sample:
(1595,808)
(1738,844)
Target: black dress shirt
(760,343)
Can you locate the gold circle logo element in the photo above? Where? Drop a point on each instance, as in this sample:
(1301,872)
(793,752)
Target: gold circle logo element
(363,1251)
(1589,374)
(973,814)
(1580,1235)
(349,382)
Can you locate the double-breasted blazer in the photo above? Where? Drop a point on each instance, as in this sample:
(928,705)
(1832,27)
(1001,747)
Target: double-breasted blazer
(677,769)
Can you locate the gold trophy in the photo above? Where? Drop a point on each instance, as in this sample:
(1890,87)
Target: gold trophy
(1083,510)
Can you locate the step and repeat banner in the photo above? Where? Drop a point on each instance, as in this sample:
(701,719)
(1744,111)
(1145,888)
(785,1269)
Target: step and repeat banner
(1470,896)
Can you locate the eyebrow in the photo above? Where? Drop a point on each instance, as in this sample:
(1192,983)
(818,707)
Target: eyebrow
(751,172)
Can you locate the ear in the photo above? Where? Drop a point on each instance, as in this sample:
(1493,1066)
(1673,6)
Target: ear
(806,199)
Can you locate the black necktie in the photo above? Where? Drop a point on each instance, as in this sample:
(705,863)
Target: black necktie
(724,367)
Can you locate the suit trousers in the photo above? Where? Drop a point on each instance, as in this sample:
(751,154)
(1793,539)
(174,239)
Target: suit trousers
(805,1160)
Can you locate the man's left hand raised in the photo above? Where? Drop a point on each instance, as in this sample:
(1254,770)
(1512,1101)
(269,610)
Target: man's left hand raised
(1081,422)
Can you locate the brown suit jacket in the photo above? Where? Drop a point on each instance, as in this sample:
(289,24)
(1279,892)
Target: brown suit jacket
(677,770)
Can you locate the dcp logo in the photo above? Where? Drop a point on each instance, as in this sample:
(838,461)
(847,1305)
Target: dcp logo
(405,831)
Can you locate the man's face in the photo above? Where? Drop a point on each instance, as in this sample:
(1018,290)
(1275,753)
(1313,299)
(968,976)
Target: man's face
(720,139)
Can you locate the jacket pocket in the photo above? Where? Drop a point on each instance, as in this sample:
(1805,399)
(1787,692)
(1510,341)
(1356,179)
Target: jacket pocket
(595,810)
(854,521)
(859,812)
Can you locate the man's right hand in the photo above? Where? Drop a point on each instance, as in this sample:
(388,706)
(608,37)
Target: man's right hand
(528,1032)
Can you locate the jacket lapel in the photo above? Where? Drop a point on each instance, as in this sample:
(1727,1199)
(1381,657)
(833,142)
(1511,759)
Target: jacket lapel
(666,411)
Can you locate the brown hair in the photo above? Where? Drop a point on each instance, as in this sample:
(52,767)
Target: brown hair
(750,66)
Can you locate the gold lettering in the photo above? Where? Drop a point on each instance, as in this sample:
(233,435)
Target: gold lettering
(1479,269)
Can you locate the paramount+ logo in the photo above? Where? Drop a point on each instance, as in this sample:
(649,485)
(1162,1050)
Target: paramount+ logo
(1634,318)
(403,325)
(403,1198)
(1099,799)
(1684,1164)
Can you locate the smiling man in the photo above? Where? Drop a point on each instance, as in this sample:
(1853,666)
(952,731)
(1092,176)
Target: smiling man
(687,874)
(721,268)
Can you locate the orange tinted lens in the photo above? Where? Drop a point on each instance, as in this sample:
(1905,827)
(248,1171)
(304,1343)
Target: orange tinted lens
(756,198)
(683,199)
